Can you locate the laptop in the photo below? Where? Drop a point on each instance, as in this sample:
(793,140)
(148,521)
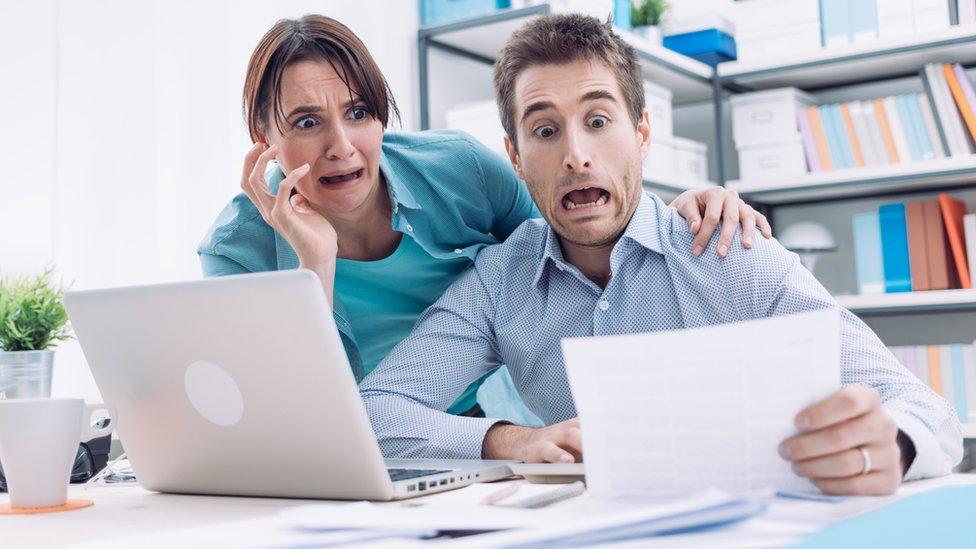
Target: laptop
(240,386)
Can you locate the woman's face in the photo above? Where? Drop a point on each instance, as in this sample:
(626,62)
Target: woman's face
(331,132)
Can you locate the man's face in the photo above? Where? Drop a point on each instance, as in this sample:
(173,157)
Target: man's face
(579,152)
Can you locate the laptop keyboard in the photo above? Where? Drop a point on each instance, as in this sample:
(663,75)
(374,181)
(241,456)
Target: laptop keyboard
(404,474)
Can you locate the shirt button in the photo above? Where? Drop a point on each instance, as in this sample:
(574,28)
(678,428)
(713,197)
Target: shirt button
(410,228)
(560,267)
(457,251)
(603,304)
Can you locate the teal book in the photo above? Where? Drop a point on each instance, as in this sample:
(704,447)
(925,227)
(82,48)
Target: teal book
(894,248)
(941,518)
(924,143)
(844,144)
(959,382)
(867,253)
(908,127)
(832,145)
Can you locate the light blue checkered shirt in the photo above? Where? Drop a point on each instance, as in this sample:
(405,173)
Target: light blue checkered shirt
(522,298)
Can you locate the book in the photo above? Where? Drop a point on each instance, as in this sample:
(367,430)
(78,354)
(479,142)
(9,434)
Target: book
(833,140)
(851,135)
(969,229)
(933,108)
(898,130)
(868,260)
(864,20)
(835,22)
(947,372)
(840,130)
(809,146)
(889,140)
(924,107)
(960,98)
(908,128)
(935,368)
(874,128)
(819,138)
(918,126)
(959,382)
(937,248)
(948,115)
(969,370)
(918,257)
(953,211)
(872,156)
(922,364)
(967,90)
(894,248)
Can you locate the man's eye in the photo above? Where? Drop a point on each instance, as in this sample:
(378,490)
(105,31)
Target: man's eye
(358,113)
(599,121)
(305,123)
(545,132)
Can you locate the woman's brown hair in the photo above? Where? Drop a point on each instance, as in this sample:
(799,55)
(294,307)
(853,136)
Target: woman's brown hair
(313,37)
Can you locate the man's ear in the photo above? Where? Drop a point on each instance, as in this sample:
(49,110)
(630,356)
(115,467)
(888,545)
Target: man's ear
(644,132)
(513,157)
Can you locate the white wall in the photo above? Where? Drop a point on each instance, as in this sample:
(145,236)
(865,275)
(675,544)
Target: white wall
(123,136)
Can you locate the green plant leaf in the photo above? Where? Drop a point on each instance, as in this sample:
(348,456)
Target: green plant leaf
(32,316)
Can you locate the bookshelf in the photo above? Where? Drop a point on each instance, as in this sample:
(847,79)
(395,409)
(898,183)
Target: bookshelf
(910,302)
(832,67)
(937,174)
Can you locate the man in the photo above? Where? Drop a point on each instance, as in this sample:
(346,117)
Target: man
(611,259)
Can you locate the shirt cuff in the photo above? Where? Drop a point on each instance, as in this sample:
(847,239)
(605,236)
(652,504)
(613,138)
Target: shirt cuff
(461,437)
(929,458)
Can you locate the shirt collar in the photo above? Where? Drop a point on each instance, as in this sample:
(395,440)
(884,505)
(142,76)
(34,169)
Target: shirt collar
(642,229)
(400,194)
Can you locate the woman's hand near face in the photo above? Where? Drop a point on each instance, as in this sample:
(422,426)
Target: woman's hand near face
(289,213)
(705,208)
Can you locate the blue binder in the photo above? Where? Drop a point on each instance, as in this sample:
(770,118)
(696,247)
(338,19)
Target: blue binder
(867,253)
(894,248)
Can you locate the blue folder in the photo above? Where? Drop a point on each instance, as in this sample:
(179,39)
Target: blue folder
(940,518)
(894,248)
(867,253)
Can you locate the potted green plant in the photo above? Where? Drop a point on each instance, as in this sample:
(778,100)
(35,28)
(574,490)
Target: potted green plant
(646,17)
(32,322)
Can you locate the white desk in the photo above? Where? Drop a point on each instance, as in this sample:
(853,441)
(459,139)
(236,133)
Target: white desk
(121,511)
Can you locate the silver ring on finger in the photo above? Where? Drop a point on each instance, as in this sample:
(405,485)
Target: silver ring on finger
(867,460)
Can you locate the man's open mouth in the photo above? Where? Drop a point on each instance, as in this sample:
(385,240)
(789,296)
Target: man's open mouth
(585,197)
(341,178)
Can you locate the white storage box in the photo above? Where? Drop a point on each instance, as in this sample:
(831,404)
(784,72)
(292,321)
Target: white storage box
(767,116)
(772,161)
(779,43)
(658,102)
(759,16)
(659,163)
(481,120)
(690,159)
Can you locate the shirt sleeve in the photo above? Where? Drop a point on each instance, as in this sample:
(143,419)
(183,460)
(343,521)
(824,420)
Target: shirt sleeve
(451,347)
(238,242)
(924,416)
(510,200)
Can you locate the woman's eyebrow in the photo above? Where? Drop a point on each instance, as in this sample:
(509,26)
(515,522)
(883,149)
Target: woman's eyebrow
(312,109)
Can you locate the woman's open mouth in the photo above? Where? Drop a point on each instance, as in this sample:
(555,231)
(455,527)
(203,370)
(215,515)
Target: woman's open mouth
(342,178)
(585,198)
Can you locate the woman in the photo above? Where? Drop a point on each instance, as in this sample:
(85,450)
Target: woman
(386,220)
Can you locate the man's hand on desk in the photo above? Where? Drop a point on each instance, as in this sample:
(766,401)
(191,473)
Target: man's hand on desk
(558,443)
(832,434)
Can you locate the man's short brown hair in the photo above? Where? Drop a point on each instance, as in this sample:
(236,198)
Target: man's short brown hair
(561,39)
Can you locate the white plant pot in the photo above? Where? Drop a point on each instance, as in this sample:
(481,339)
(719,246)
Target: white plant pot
(26,374)
(650,33)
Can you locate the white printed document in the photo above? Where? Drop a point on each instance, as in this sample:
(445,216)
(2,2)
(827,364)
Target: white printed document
(673,413)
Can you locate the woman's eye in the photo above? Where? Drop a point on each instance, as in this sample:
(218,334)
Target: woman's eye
(305,123)
(545,132)
(599,121)
(358,113)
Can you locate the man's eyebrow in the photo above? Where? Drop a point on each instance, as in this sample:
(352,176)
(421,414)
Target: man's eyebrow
(535,107)
(599,94)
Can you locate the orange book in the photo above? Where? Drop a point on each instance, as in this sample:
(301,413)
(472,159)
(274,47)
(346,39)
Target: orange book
(918,258)
(935,373)
(845,114)
(952,213)
(820,138)
(889,140)
(964,107)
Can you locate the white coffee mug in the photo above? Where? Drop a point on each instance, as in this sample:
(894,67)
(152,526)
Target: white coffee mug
(38,442)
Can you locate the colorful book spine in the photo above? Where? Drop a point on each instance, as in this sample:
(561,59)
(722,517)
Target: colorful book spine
(851,135)
(917,255)
(918,126)
(867,253)
(960,98)
(898,130)
(889,140)
(969,370)
(908,128)
(833,139)
(935,368)
(894,248)
(930,91)
(953,211)
(819,137)
(959,382)
(969,228)
(874,127)
(949,370)
(924,107)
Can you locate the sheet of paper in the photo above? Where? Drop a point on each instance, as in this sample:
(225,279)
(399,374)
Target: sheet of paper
(673,413)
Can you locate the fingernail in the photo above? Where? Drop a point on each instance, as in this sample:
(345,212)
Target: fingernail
(697,250)
(566,459)
(694,226)
(747,242)
(304,167)
(802,422)
(722,250)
